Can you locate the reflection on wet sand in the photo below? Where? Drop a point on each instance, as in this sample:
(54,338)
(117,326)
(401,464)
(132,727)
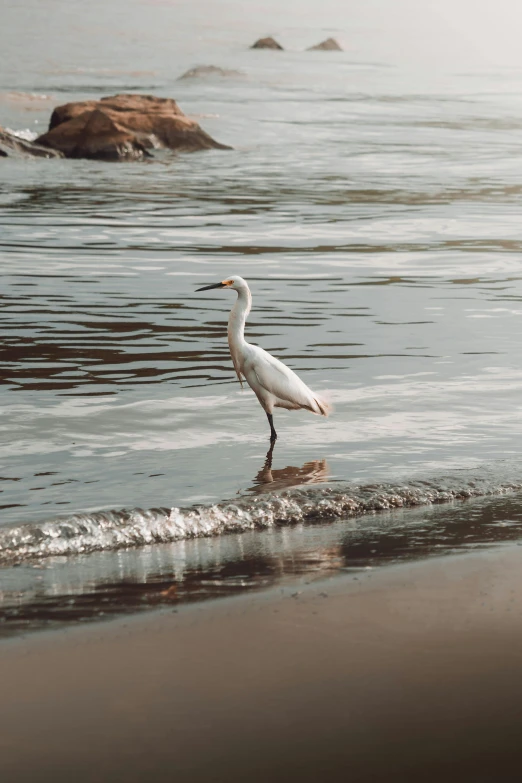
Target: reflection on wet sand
(269,479)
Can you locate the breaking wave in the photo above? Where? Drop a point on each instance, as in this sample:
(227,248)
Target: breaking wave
(26,134)
(110,530)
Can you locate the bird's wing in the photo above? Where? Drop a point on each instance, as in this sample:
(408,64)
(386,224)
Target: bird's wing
(278,379)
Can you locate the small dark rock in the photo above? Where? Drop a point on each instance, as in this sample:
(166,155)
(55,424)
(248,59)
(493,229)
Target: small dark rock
(202,71)
(266,43)
(329,45)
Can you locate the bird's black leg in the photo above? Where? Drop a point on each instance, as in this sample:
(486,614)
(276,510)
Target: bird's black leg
(273,433)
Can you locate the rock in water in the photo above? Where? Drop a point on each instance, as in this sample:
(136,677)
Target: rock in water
(329,45)
(123,127)
(96,135)
(202,71)
(13,145)
(266,43)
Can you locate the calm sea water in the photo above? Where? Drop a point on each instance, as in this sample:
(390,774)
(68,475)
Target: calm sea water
(372,201)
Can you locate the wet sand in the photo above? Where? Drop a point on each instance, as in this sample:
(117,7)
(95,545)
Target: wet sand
(411,672)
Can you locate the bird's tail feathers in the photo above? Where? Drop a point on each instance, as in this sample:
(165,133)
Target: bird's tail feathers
(325,408)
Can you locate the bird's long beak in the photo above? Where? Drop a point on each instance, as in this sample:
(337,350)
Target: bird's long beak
(208,287)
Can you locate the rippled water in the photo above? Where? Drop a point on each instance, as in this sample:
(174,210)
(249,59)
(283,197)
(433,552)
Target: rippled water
(372,200)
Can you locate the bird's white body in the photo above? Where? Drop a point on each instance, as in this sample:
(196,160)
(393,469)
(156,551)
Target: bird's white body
(275,384)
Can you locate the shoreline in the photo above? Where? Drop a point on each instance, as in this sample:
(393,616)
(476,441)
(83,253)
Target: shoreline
(58,592)
(407,672)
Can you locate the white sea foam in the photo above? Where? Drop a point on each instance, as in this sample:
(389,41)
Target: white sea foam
(24,133)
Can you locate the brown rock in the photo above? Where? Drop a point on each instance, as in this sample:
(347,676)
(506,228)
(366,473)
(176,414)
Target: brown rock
(123,103)
(12,145)
(266,43)
(123,127)
(96,135)
(329,45)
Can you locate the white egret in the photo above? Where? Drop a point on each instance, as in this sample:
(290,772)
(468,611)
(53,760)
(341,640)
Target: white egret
(275,384)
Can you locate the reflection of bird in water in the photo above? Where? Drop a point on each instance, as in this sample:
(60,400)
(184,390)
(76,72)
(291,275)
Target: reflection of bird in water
(275,384)
(268,480)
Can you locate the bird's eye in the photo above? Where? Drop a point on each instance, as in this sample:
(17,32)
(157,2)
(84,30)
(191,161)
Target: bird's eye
(228,282)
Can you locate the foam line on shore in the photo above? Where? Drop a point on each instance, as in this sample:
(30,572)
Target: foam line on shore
(115,529)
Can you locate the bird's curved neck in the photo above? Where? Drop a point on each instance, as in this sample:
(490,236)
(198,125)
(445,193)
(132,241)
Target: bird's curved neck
(237,318)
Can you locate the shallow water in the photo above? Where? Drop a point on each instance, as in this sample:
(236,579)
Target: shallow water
(372,201)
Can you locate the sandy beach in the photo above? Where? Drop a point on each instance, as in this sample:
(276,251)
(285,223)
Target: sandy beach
(410,672)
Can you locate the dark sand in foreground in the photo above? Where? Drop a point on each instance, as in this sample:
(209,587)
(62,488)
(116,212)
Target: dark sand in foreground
(413,672)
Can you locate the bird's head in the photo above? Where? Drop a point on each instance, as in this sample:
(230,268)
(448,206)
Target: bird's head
(235,282)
